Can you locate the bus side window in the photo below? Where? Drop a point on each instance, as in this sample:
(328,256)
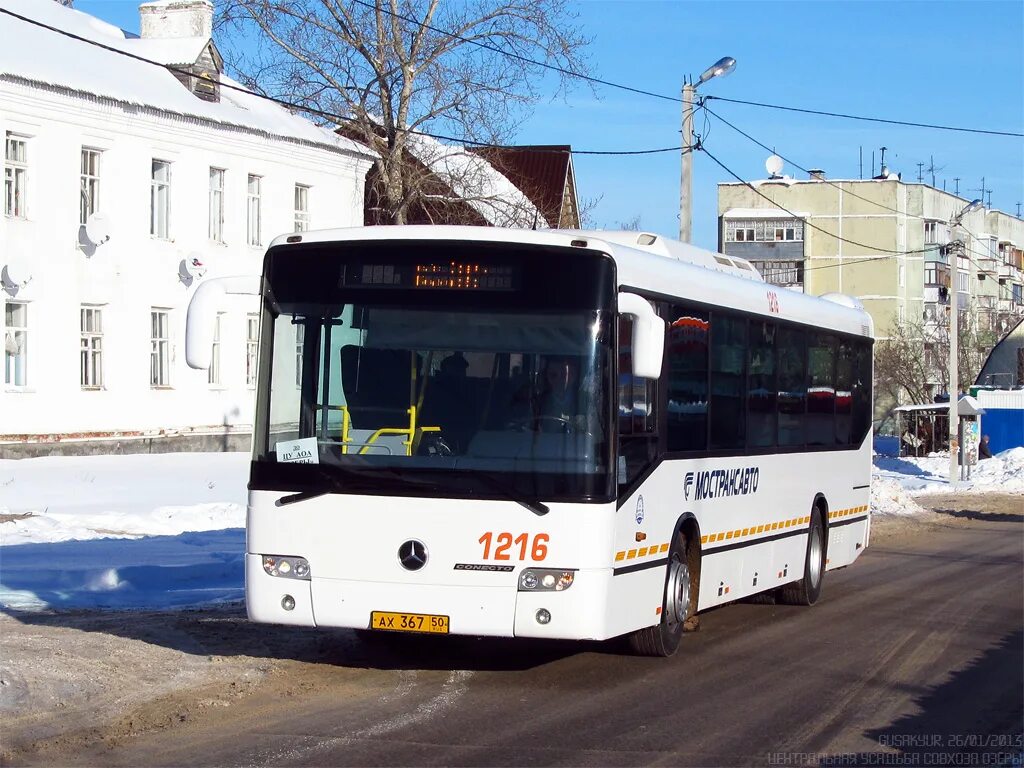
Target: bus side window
(844,392)
(861,392)
(638,423)
(791,349)
(821,394)
(728,357)
(762,391)
(687,354)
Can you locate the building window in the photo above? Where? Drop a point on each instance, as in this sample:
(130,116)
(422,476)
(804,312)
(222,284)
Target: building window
(89,201)
(300,340)
(901,314)
(16,344)
(781,272)
(301,208)
(91,364)
(217,205)
(214,373)
(902,275)
(253,208)
(930,232)
(763,231)
(963,282)
(15,175)
(160,350)
(160,200)
(1018,293)
(252,343)
(931,273)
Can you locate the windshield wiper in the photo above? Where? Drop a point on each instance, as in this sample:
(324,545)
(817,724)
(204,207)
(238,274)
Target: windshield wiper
(537,507)
(332,482)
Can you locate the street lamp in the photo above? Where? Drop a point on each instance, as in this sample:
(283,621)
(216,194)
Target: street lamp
(954,250)
(720,68)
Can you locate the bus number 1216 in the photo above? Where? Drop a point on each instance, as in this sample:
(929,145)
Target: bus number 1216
(504,541)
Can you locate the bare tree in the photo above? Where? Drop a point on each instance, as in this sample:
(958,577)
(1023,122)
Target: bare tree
(912,364)
(392,67)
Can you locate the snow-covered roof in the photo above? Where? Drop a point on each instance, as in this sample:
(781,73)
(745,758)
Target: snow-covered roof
(477,183)
(39,55)
(763,213)
(180,50)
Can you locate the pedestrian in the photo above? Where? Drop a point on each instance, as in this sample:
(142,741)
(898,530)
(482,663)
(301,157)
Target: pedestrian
(984,452)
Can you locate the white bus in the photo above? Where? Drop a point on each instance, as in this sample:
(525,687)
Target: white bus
(553,434)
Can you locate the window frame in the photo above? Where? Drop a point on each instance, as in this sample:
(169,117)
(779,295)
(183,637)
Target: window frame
(16,176)
(21,330)
(160,200)
(90,186)
(252,346)
(214,378)
(160,348)
(302,215)
(254,210)
(90,368)
(215,205)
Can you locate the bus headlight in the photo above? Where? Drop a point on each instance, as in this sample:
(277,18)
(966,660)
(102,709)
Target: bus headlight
(288,566)
(542,580)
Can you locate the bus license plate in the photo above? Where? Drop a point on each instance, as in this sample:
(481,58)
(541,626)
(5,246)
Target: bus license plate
(409,622)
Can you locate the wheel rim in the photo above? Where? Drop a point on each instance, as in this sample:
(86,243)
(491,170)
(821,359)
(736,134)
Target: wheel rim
(677,591)
(814,556)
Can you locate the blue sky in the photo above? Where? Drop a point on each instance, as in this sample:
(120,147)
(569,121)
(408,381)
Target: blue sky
(951,63)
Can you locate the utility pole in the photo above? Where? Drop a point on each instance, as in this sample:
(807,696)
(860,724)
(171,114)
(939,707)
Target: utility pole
(686,170)
(1018,210)
(955,249)
(920,168)
(721,67)
(956,191)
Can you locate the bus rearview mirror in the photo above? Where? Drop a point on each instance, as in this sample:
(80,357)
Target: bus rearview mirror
(202,315)
(648,335)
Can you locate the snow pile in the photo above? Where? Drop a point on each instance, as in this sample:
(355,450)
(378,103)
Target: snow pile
(888,497)
(1004,473)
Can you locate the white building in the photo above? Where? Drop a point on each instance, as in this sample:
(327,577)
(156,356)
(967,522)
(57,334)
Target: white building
(124,182)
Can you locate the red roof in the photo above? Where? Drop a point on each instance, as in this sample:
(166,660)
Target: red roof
(541,172)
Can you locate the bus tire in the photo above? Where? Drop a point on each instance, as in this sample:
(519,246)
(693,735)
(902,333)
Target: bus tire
(807,590)
(678,603)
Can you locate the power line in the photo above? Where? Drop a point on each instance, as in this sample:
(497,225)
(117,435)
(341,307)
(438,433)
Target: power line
(519,57)
(889,252)
(800,167)
(868,119)
(319,112)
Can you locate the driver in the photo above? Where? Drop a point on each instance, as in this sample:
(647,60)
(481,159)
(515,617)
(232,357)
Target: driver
(560,399)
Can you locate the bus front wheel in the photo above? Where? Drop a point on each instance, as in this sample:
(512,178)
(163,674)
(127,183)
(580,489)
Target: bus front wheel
(677,606)
(807,590)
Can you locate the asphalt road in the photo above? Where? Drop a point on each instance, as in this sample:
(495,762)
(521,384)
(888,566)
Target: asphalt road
(913,657)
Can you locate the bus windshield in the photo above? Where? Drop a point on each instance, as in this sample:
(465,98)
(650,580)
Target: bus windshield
(437,397)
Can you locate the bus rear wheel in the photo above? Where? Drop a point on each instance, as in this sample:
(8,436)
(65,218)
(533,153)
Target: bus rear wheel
(677,605)
(807,590)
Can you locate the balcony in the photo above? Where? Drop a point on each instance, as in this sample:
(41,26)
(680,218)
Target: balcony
(1005,272)
(989,265)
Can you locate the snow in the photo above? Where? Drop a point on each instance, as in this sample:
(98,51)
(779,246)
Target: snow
(135,531)
(167,530)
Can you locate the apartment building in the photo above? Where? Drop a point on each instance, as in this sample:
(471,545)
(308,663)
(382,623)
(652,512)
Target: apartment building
(125,186)
(882,240)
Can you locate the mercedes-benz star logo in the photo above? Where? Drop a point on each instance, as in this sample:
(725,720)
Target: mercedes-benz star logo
(412,555)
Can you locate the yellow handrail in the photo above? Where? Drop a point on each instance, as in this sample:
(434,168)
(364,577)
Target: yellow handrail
(412,433)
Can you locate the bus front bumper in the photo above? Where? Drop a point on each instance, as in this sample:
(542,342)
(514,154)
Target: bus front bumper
(498,611)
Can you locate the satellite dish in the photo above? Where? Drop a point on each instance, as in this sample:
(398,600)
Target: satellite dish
(773,165)
(17,273)
(193,265)
(97,228)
